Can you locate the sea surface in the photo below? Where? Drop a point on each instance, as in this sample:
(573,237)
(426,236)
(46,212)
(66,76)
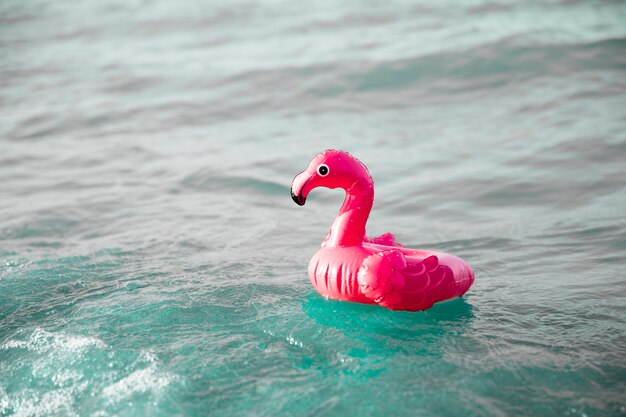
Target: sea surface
(152,262)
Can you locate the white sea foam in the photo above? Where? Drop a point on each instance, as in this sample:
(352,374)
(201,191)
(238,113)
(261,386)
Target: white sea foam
(43,341)
(4,402)
(32,403)
(53,357)
(149,379)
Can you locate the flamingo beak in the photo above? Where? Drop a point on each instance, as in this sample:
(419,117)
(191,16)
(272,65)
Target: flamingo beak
(298,198)
(298,188)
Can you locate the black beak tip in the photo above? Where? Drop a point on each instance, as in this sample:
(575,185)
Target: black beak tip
(299,200)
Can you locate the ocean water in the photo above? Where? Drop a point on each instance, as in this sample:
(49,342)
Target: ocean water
(153,263)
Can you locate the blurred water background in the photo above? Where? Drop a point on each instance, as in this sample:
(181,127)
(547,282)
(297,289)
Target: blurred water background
(152,261)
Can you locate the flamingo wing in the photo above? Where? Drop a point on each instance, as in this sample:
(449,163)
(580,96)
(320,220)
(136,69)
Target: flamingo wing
(387,239)
(398,282)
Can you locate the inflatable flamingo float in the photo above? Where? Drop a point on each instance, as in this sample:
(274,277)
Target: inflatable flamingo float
(351,267)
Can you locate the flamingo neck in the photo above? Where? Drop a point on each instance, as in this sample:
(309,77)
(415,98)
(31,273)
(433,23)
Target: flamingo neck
(348,228)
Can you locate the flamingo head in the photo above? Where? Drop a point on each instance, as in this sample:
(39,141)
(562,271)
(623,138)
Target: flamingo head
(331,169)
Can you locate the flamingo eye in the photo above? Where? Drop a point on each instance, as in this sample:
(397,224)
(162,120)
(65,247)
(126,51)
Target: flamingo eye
(323,170)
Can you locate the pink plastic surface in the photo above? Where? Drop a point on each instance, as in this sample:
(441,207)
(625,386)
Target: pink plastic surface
(351,267)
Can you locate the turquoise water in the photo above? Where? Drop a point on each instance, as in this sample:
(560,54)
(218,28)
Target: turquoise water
(152,261)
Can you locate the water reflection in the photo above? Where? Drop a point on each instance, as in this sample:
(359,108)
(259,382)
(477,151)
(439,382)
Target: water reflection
(384,327)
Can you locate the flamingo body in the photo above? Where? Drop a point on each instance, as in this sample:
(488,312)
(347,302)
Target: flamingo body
(351,267)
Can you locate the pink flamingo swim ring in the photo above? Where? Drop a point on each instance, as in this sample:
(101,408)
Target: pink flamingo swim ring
(351,267)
